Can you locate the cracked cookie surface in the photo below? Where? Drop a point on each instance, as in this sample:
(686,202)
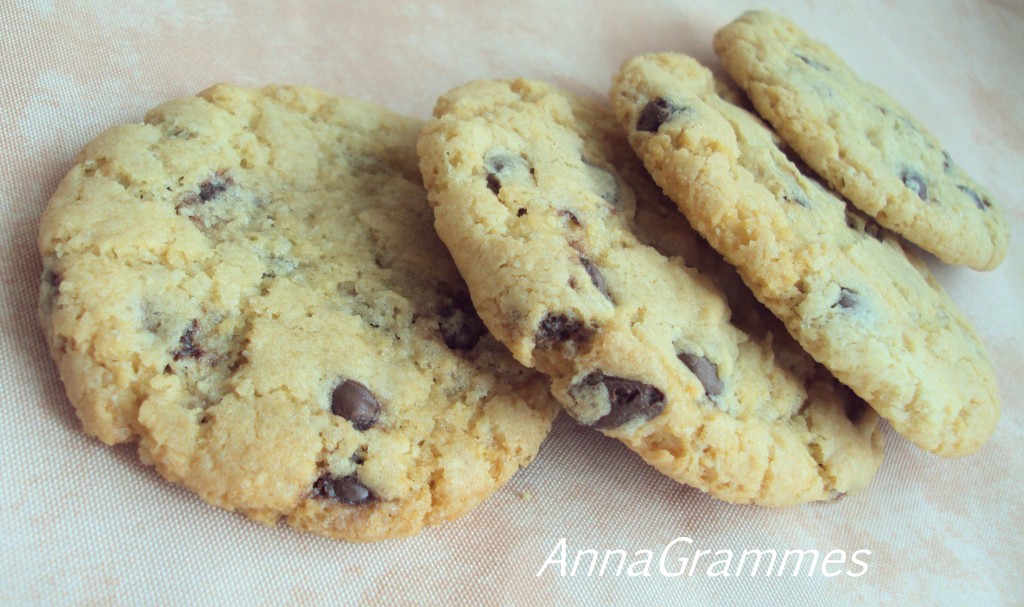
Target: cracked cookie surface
(868,147)
(575,263)
(845,288)
(248,285)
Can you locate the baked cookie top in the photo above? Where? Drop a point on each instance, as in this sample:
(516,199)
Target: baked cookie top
(867,146)
(535,194)
(249,286)
(845,288)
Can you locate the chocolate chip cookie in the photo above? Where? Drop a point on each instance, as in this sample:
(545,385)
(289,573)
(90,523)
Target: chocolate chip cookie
(862,141)
(574,264)
(844,286)
(249,286)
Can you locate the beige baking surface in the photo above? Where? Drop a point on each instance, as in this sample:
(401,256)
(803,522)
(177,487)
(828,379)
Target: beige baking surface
(84,524)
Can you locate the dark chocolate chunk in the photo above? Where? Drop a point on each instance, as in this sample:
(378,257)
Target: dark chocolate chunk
(629,399)
(872,229)
(656,113)
(500,165)
(212,187)
(459,324)
(52,278)
(947,161)
(913,180)
(848,298)
(979,201)
(573,219)
(189,346)
(492,183)
(346,489)
(595,276)
(555,329)
(353,401)
(864,224)
(520,212)
(706,372)
(799,197)
(812,63)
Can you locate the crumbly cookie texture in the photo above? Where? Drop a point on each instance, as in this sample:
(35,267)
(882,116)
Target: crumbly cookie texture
(862,141)
(248,285)
(844,287)
(547,214)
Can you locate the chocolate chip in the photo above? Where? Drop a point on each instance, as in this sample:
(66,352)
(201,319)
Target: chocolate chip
(212,187)
(459,324)
(520,212)
(799,197)
(656,113)
(848,298)
(52,278)
(629,399)
(706,372)
(573,219)
(913,180)
(353,401)
(855,408)
(501,165)
(346,489)
(947,161)
(864,224)
(812,63)
(979,201)
(492,183)
(556,329)
(595,276)
(189,346)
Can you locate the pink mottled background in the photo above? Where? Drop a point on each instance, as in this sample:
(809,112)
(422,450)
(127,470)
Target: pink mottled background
(84,524)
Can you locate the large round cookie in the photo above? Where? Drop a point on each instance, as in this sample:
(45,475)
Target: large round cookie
(845,289)
(862,141)
(532,195)
(249,286)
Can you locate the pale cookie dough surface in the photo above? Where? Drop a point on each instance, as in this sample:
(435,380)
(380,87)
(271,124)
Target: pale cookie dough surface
(248,285)
(531,192)
(845,288)
(862,141)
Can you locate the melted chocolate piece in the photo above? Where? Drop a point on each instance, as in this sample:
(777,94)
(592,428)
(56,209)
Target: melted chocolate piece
(346,489)
(980,202)
(213,187)
(629,399)
(947,161)
(53,278)
(656,113)
(848,298)
(595,276)
(556,329)
(864,224)
(706,372)
(459,324)
(813,63)
(499,165)
(799,197)
(492,183)
(913,180)
(189,346)
(353,401)
(573,219)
